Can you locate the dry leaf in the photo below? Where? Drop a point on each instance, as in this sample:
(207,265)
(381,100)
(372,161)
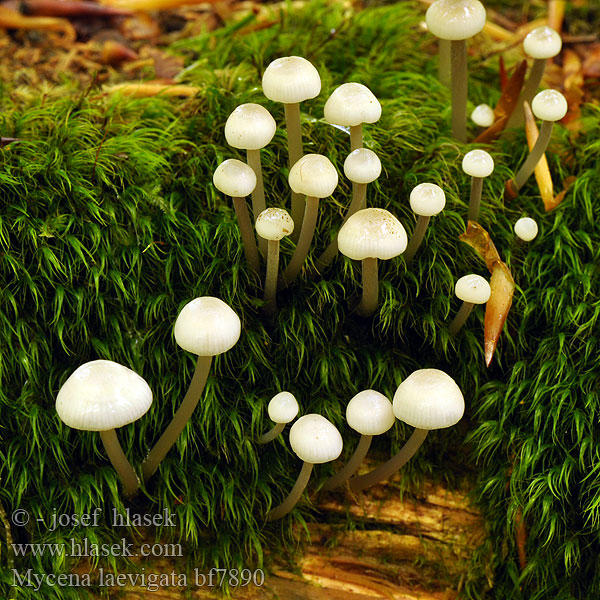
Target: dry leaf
(145,90)
(569,181)
(573,89)
(69,8)
(591,63)
(11,19)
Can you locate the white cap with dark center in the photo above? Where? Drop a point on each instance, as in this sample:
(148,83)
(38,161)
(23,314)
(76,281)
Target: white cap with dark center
(291,79)
(352,104)
(549,105)
(370,413)
(234,178)
(313,175)
(283,408)
(526,228)
(478,163)
(455,19)
(250,127)
(427,199)
(542,42)
(274,224)
(473,288)
(315,439)
(362,166)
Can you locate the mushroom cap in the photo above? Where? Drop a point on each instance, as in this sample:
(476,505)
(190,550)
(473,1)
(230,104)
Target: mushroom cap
(429,399)
(313,175)
(473,288)
(352,104)
(370,413)
(291,79)
(362,166)
(483,115)
(274,224)
(549,105)
(372,233)
(427,199)
(315,439)
(234,178)
(102,395)
(250,127)
(455,19)
(526,228)
(207,326)
(478,163)
(542,42)
(283,408)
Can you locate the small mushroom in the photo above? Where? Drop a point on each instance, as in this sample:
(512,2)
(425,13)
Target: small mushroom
(315,440)
(526,229)
(483,115)
(370,413)
(426,200)
(283,409)
(427,399)
(272,225)
(472,290)
(237,179)
(367,235)
(206,327)
(478,164)
(102,395)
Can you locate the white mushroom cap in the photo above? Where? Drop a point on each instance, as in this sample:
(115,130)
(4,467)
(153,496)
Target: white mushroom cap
(429,399)
(483,115)
(313,175)
(526,228)
(274,224)
(473,288)
(283,408)
(362,166)
(250,127)
(478,163)
(370,413)
(352,104)
(542,42)
(455,19)
(427,199)
(234,178)
(549,105)
(207,326)
(102,395)
(315,439)
(291,79)
(372,233)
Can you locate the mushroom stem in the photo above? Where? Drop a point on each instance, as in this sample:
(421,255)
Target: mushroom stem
(270,295)
(272,433)
(306,235)
(293,497)
(417,238)
(258,195)
(180,419)
(461,316)
(247,233)
(475,199)
(458,52)
(359,194)
(356,137)
(295,152)
(384,471)
(128,476)
(444,62)
(370,292)
(351,466)
(528,92)
(535,155)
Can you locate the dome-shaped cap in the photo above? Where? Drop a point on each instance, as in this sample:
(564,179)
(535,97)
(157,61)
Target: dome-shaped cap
(234,178)
(313,175)
(207,326)
(250,127)
(315,439)
(274,224)
(549,105)
(291,79)
(372,233)
(526,228)
(427,199)
(455,19)
(362,166)
(102,395)
(283,408)
(370,413)
(473,288)
(429,399)
(542,42)
(352,104)
(478,163)
(483,115)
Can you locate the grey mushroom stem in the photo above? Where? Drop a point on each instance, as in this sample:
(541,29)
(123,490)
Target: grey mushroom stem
(180,419)
(247,234)
(351,466)
(272,433)
(293,497)
(528,92)
(270,294)
(356,137)
(258,195)
(461,317)
(131,483)
(475,199)
(417,238)
(458,52)
(370,292)
(535,155)
(295,152)
(387,469)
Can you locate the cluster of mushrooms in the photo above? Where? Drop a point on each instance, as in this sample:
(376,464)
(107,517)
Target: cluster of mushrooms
(102,395)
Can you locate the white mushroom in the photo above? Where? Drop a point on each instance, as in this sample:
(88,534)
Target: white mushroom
(479,165)
(471,289)
(283,409)
(483,115)
(526,229)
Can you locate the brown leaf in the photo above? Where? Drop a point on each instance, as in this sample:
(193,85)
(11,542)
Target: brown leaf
(115,53)
(508,101)
(503,75)
(573,88)
(569,181)
(591,63)
(12,19)
(166,66)
(69,8)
